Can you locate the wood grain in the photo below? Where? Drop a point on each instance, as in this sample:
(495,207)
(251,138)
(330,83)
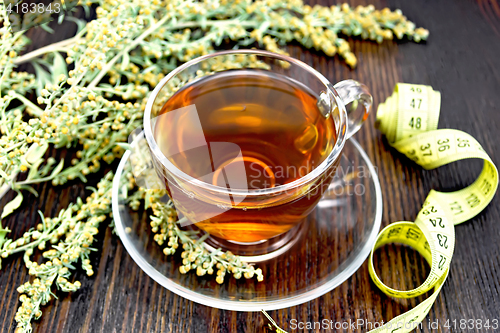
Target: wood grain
(461,60)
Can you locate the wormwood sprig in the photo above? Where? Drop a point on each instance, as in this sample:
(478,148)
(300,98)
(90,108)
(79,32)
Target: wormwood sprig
(69,236)
(131,45)
(165,226)
(68,110)
(10,46)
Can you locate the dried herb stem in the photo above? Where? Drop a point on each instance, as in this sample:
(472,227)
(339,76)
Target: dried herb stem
(54,47)
(127,49)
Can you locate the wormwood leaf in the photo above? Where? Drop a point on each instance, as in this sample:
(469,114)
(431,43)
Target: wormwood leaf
(36,152)
(12,205)
(34,169)
(29,188)
(264,26)
(45,26)
(125,61)
(124,145)
(79,22)
(3,233)
(47,167)
(4,174)
(42,78)
(59,67)
(57,169)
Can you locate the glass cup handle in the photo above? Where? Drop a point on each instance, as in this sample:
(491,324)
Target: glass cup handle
(351,91)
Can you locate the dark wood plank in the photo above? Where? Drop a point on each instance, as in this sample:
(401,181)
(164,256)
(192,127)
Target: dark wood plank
(460,60)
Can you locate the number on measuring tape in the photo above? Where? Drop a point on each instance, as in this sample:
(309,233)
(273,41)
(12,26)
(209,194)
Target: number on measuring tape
(427,151)
(456,208)
(412,155)
(473,200)
(463,143)
(412,121)
(442,261)
(416,103)
(485,186)
(427,247)
(394,232)
(430,210)
(442,239)
(413,234)
(415,122)
(437,221)
(443,144)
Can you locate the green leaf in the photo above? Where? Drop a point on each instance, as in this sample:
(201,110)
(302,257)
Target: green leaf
(42,78)
(57,169)
(264,26)
(43,62)
(79,22)
(59,67)
(36,152)
(124,145)
(3,233)
(125,61)
(149,69)
(87,10)
(47,167)
(82,177)
(3,174)
(60,18)
(45,26)
(203,22)
(34,169)
(29,189)
(12,205)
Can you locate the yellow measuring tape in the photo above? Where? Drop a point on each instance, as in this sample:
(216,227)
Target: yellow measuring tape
(409,120)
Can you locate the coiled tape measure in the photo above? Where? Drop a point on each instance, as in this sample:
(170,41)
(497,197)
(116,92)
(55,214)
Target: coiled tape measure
(409,120)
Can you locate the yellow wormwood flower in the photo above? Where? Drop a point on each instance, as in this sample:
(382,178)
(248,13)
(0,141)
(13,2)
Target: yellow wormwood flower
(351,60)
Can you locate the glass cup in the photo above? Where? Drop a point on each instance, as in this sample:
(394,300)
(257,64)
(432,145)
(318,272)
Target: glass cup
(219,199)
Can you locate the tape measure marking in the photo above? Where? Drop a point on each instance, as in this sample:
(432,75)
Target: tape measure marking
(409,120)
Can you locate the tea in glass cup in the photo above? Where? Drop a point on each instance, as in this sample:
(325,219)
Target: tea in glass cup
(248,141)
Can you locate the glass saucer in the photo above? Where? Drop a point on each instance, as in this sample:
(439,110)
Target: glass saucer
(324,251)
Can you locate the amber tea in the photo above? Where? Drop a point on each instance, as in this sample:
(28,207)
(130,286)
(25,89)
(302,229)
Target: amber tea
(245,131)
